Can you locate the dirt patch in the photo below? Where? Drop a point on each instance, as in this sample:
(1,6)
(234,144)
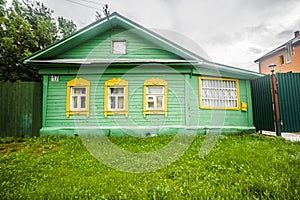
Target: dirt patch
(11,147)
(36,151)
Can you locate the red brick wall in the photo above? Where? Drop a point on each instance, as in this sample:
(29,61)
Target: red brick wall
(293,66)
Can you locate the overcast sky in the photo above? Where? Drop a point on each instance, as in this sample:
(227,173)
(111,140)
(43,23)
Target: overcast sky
(232,32)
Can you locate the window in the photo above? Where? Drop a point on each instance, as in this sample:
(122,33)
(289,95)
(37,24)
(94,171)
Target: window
(155,97)
(289,53)
(281,60)
(119,47)
(219,93)
(78,98)
(116,95)
(78,92)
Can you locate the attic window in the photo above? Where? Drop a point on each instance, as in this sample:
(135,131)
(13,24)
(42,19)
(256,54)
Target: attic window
(119,47)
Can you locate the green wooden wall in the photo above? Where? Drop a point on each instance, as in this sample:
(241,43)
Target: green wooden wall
(183,107)
(100,47)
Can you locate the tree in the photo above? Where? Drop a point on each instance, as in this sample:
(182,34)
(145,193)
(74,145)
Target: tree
(26,28)
(65,27)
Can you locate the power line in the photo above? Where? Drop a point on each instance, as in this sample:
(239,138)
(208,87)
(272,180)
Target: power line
(83,4)
(97,3)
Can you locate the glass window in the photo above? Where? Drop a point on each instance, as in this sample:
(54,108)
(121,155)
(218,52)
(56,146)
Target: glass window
(78,92)
(116,95)
(116,98)
(78,98)
(155,96)
(119,47)
(219,93)
(289,53)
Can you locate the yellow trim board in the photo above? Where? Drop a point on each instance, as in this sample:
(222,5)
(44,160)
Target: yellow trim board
(78,82)
(115,82)
(156,82)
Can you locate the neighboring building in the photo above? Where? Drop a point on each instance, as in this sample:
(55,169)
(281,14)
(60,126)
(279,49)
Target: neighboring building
(117,77)
(286,57)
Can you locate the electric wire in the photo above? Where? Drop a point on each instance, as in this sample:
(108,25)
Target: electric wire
(92,7)
(97,3)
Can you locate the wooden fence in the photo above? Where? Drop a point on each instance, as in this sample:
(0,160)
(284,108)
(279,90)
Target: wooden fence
(20,109)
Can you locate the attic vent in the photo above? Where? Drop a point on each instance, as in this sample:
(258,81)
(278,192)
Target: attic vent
(119,47)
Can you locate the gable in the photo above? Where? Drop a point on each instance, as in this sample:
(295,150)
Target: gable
(92,46)
(86,41)
(100,47)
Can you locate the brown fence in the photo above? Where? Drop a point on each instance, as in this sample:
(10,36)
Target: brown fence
(20,109)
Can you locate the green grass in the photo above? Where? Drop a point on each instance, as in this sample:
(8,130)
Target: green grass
(238,167)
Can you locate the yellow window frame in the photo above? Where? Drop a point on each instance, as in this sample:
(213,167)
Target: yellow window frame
(115,82)
(219,108)
(78,82)
(156,82)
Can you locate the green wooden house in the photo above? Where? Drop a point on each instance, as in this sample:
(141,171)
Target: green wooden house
(117,77)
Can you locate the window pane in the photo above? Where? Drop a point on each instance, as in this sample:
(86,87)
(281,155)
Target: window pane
(159,103)
(75,102)
(116,90)
(121,102)
(83,102)
(155,89)
(150,104)
(78,90)
(112,102)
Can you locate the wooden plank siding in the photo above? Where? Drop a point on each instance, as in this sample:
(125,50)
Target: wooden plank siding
(183,105)
(100,47)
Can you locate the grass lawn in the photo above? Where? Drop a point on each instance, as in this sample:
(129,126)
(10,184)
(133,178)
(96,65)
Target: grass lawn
(239,167)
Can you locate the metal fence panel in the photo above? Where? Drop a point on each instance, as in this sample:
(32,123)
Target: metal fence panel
(20,109)
(262,104)
(289,101)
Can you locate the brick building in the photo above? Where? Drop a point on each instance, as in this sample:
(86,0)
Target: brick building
(286,57)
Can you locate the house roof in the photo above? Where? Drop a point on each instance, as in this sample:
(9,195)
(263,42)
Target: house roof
(47,55)
(294,42)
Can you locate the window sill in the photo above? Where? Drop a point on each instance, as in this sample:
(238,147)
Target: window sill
(87,113)
(218,108)
(106,113)
(155,112)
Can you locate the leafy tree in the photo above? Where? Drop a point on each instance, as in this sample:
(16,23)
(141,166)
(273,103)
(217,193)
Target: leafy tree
(26,28)
(16,41)
(65,27)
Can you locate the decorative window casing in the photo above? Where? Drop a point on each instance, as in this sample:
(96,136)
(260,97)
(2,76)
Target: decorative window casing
(155,97)
(219,93)
(78,97)
(119,47)
(116,97)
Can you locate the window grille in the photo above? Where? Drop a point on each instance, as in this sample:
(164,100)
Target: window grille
(219,93)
